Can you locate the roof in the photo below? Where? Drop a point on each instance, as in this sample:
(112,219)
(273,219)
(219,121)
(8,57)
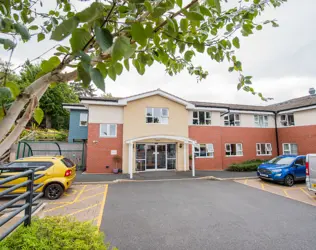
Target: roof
(300,102)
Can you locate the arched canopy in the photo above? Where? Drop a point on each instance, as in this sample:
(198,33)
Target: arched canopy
(168,137)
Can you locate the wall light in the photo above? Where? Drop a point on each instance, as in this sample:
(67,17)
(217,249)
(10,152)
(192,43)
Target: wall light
(180,145)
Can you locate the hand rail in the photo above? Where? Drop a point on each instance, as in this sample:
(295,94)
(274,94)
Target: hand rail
(28,195)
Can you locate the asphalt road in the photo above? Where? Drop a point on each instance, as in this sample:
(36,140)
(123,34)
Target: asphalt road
(203,214)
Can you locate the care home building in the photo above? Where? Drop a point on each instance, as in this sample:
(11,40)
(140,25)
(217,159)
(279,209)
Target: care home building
(156,130)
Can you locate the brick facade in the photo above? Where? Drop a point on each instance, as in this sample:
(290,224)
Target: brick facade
(99,149)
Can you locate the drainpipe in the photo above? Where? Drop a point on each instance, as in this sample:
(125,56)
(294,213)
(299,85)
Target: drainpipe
(276,132)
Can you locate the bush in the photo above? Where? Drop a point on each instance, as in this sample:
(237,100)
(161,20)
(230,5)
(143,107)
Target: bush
(245,166)
(50,233)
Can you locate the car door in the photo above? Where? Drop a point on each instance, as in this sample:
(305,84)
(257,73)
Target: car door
(300,168)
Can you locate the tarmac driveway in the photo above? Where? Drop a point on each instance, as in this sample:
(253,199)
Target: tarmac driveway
(203,214)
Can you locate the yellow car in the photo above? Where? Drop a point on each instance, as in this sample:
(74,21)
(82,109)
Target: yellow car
(59,174)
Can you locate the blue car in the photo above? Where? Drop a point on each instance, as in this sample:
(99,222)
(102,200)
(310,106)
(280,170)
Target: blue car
(285,169)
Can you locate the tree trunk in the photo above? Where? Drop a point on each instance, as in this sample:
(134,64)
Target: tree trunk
(48,121)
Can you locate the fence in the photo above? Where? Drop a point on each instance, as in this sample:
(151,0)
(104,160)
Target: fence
(29,197)
(75,151)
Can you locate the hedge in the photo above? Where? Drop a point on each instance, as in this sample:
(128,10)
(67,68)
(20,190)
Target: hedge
(245,166)
(56,232)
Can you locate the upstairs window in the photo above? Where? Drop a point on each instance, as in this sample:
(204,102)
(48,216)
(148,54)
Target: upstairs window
(287,120)
(83,119)
(290,149)
(232,120)
(264,149)
(234,149)
(157,115)
(261,121)
(108,130)
(204,150)
(201,118)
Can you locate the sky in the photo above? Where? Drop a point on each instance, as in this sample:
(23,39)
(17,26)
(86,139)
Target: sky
(281,61)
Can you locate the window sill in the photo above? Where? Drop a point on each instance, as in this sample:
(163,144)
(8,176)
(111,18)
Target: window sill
(202,125)
(108,136)
(233,156)
(264,155)
(204,157)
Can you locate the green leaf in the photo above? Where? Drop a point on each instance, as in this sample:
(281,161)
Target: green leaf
(40,37)
(79,39)
(239,86)
(179,3)
(215,4)
(236,42)
(184,23)
(122,48)
(7,43)
(112,74)
(102,67)
(158,12)
(5,94)
(188,55)
(138,33)
(199,46)
(65,29)
(16,17)
(149,30)
(139,67)
(274,24)
(83,75)
(205,11)
(48,66)
(148,6)
(63,49)
(97,78)
(259,27)
(91,13)
(15,88)
(23,31)
(231,69)
(118,68)
(171,24)
(104,38)
(256,1)
(38,115)
(33,27)
(230,27)
(194,16)
(126,64)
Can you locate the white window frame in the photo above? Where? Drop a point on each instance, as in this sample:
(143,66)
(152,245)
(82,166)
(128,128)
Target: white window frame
(239,152)
(83,118)
(198,118)
(160,117)
(261,121)
(236,121)
(289,150)
(108,125)
(209,147)
(267,149)
(285,122)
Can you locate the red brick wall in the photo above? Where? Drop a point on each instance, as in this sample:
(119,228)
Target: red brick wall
(99,154)
(221,135)
(303,136)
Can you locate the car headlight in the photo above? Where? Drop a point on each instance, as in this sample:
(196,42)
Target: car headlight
(277,170)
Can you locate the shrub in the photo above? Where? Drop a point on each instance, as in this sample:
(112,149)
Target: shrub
(56,232)
(246,166)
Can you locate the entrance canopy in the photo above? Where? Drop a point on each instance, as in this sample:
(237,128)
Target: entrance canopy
(182,139)
(168,137)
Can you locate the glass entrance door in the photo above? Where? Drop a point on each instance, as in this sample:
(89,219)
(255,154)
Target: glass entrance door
(156,156)
(150,157)
(161,156)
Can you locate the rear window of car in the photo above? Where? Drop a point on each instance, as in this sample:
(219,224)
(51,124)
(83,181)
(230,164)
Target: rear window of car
(67,162)
(21,166)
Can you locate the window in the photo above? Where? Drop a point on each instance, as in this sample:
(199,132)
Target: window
(232,120)
(290,149)
(233,149)
(157,115)
(67,162)
(204,150)
(201,118)
(107,130)
(301,161)
(83,119)
(264,149)
(261,121)
(21,166)
(287,120)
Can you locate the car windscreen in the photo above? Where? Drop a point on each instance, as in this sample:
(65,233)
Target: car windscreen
(282,160)
(67,162)
(21,166)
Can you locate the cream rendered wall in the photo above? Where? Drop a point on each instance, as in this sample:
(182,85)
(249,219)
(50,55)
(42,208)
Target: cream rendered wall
(135,124)
(105,114)
(248,120)
(215,118)
(302,118)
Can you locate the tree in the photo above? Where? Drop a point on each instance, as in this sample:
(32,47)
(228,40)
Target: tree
(107,35)
(80,90)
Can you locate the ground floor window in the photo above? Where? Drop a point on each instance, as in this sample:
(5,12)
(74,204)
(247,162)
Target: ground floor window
(203,150)
(233,149)
(290,149)
(264,149)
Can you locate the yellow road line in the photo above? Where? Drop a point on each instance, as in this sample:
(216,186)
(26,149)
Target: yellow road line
(88,197)
(80,210)
(286,194)
(302,189)
(98,186)
(262,186)
(102,206)
(77,197)
(245,182)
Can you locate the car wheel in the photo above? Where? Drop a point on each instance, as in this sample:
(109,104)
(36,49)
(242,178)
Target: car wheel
(289,180)
(53,191)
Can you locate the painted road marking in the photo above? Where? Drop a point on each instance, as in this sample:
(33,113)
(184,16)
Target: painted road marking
(81,210)
(286,194)
(88,197)
(262,186)
(102,206)
(313,197)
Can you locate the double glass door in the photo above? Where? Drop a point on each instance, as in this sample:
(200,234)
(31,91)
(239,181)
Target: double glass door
(156,157)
